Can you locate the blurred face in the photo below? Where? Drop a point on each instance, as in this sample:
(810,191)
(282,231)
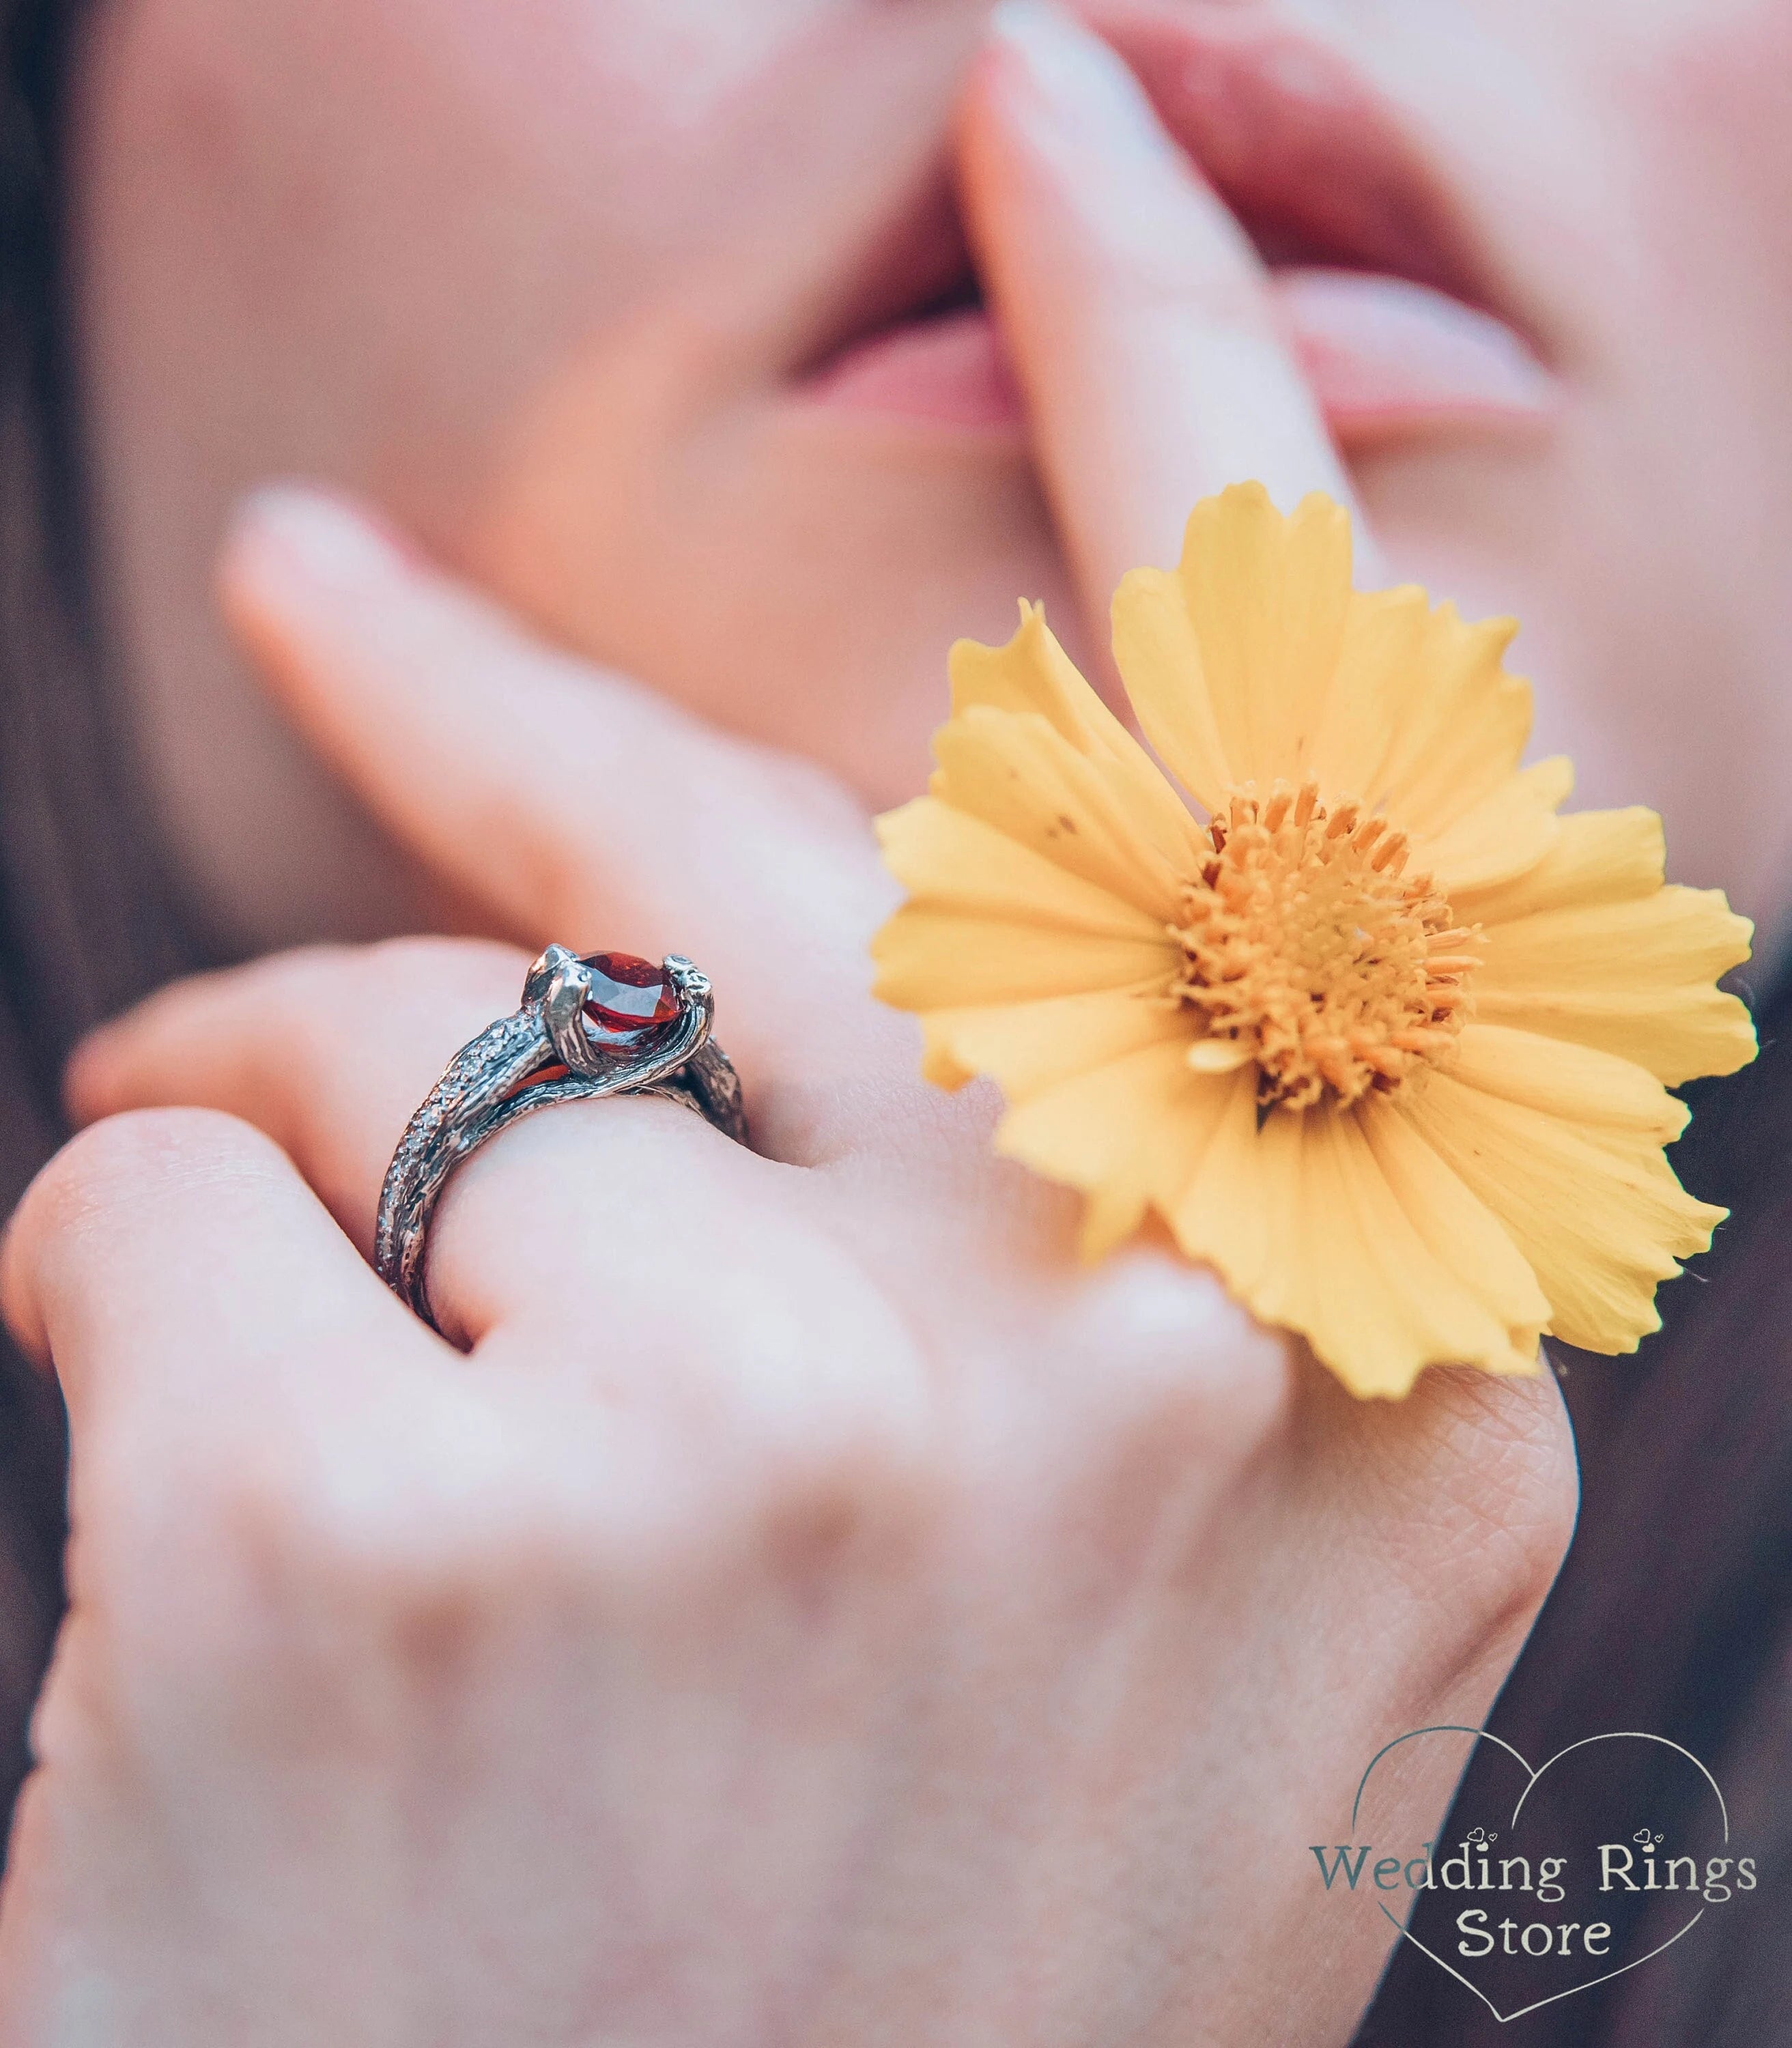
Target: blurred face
(656,317)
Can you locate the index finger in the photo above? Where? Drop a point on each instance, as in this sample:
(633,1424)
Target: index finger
(571,804)
(1136,310)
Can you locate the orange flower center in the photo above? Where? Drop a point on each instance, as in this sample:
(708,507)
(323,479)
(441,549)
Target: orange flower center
(1312,951)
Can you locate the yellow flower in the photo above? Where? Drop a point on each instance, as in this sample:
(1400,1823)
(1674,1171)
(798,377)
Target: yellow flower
(1384,1040)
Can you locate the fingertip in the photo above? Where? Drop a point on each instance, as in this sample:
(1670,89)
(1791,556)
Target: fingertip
(1058,84)
(21,1310)
(287,534)
(89,1079)
(297,565)
(152,1056)
(105,1074)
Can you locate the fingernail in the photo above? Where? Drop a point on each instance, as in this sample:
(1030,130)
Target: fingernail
(1085,94)
(330,543)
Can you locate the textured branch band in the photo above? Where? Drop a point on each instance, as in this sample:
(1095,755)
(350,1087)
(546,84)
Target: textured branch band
(600,1025)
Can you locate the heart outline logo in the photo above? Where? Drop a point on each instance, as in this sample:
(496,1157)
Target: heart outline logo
(1532,1776)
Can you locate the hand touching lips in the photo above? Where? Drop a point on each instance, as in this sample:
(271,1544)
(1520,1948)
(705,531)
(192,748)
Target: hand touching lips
(1382,356)
(1371,274)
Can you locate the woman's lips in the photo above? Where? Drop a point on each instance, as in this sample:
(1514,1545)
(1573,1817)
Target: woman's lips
(1373,275)
(1383,357)
(950,371)
(1314,162)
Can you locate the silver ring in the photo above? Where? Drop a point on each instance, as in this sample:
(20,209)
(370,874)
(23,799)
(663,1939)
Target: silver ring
(604,1024)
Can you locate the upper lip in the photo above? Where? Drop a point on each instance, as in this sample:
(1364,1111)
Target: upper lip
(1315,164)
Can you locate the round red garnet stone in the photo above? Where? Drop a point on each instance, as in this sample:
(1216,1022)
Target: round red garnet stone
(628,996)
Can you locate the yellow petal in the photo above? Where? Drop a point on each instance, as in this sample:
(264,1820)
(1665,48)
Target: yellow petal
(1575,1082)
(1551,782)
(1507,834)
(1596,857)
(929,960)
(1632,978)
(1302,1221)
(1111,1214)
(1598,1213)
(1386,1304)
(1016,773)
(1515,1181)
(1460,1231)
(1457,727)
(1378,658)
(948,859)
(1157,653)
(1228,663)
(1238,1205)
(1029,1047)
(1125,1133)
(1422,719)
(1032,674)
(938,1067)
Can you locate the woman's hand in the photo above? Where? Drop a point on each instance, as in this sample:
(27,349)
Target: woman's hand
(816,1610)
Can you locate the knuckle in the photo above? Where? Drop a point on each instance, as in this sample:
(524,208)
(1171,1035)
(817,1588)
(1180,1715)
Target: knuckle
(344,1561)
(1188,1383)
(285,1547)
(798,1506)
(1500,1492)
(147,1153)
(236,1574)
(815,1502)
(796,1502)
(184,1535)
(782,1414)
(415,1560)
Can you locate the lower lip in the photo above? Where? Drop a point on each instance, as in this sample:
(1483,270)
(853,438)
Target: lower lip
(948,372)
(1382,358)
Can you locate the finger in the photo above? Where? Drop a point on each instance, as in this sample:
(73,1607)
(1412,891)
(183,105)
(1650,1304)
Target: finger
(1138,316)
(245,1398)
(176,1259)
(574,806)
(328,1051)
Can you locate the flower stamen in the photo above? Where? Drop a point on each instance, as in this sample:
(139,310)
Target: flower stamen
(1310,951)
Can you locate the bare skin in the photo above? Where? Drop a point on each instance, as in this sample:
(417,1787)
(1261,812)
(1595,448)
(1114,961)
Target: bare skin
(817,1609)
(548,299)
(1054,1610)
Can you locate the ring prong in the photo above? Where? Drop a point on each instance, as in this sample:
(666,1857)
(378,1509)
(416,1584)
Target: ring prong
(542,969)
(685,977)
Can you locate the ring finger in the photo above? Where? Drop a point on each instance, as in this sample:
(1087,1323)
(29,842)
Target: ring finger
(330,1050)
